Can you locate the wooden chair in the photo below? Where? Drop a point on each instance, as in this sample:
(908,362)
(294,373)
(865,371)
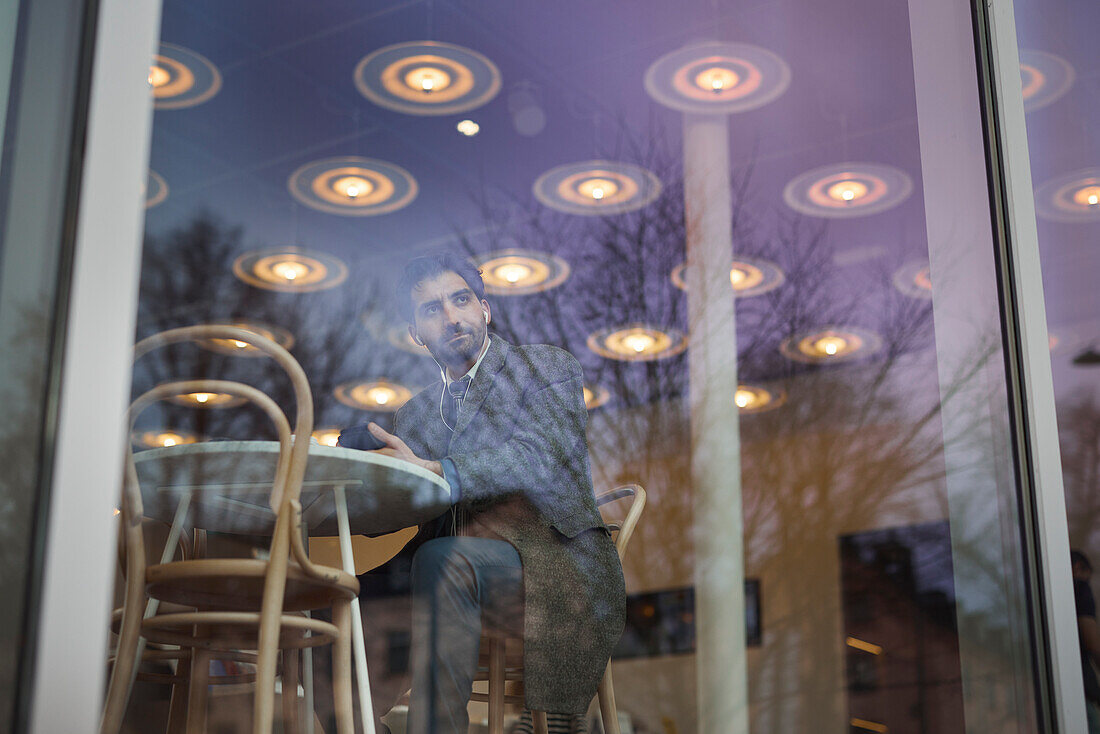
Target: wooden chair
(239,604)
(501,656)
(176,659)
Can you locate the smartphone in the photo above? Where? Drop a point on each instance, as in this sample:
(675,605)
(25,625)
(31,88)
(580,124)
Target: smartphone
(359,437)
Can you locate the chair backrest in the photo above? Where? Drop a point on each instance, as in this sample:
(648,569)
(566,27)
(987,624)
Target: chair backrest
(293,450)
(624,530)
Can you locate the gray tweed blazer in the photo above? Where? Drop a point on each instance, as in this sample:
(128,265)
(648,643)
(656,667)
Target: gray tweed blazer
(521,456)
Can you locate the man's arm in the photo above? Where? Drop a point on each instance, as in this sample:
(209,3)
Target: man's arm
(548,435)
(544,445)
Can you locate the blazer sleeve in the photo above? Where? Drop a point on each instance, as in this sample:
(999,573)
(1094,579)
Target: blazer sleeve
(546,455)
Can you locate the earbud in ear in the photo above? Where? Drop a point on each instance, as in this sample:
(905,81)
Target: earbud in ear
(486,315)
(418,340)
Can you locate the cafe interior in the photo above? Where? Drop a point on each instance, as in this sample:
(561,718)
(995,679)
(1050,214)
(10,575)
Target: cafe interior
(726,212)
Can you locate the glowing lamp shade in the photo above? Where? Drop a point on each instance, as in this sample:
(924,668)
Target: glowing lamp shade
(756,399)
(179,77)
(595,396)
(164,438)
(848,190)
(637,343)
(427,78)
(749,276)
(834,344)
(597,188)
(280,336)
(914,279)
(353,186)
(717,78)
(380,395)
(1071,198)
(155,189)
(207,400)
(327,436)
(515,272)
(1044,78)
(290,269)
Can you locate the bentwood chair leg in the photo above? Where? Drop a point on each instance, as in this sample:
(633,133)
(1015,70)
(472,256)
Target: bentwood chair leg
(608,712)
(341,669)
(271,611)
(198,690)
(291,721)
(539,720)
(177,706)
(122,675)
(496,685)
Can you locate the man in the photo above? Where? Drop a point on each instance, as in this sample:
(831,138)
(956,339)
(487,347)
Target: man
(1088,635)
(524,547)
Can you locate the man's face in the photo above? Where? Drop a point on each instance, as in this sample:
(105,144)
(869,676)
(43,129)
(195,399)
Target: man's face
(449,319)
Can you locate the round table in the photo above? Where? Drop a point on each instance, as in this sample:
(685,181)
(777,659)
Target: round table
(229,485)
(225,486)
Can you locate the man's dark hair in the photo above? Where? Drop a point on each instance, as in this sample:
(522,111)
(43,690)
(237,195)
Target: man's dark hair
(424,267)
(1076,556)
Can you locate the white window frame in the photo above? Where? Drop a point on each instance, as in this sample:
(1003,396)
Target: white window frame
(80,558)
(1038,386)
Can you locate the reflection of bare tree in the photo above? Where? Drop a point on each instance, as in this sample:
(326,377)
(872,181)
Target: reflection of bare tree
(22,446)
(187,278)
(856,446)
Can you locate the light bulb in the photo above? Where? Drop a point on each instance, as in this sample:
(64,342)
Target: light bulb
(289,270)
(638,342)
(202,397)
(427,83)
(737,275)
(830,348)
(168,442)
(742,398)
(353,191)
(380,395)
(158,77)
(717,79)
(513,273)
(1093,199)
(597,193)
(469,128)
(847,191)
(239,344)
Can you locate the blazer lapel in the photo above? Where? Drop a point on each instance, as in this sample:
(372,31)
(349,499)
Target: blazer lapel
(482,384)
(425,423)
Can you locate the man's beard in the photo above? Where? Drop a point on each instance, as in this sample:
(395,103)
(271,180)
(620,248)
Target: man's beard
(458,353)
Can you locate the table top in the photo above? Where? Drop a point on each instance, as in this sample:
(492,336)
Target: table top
(230,487)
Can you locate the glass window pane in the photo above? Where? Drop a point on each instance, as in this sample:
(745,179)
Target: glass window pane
(40,49)
(770,253)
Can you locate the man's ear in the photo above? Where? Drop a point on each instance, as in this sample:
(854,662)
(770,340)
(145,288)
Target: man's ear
(488,311)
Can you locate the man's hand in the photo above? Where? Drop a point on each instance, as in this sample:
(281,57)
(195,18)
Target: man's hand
(398,449)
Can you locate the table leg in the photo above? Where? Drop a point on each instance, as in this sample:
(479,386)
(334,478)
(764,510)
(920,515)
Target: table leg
(166,556)
(307,665)
(359,649)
